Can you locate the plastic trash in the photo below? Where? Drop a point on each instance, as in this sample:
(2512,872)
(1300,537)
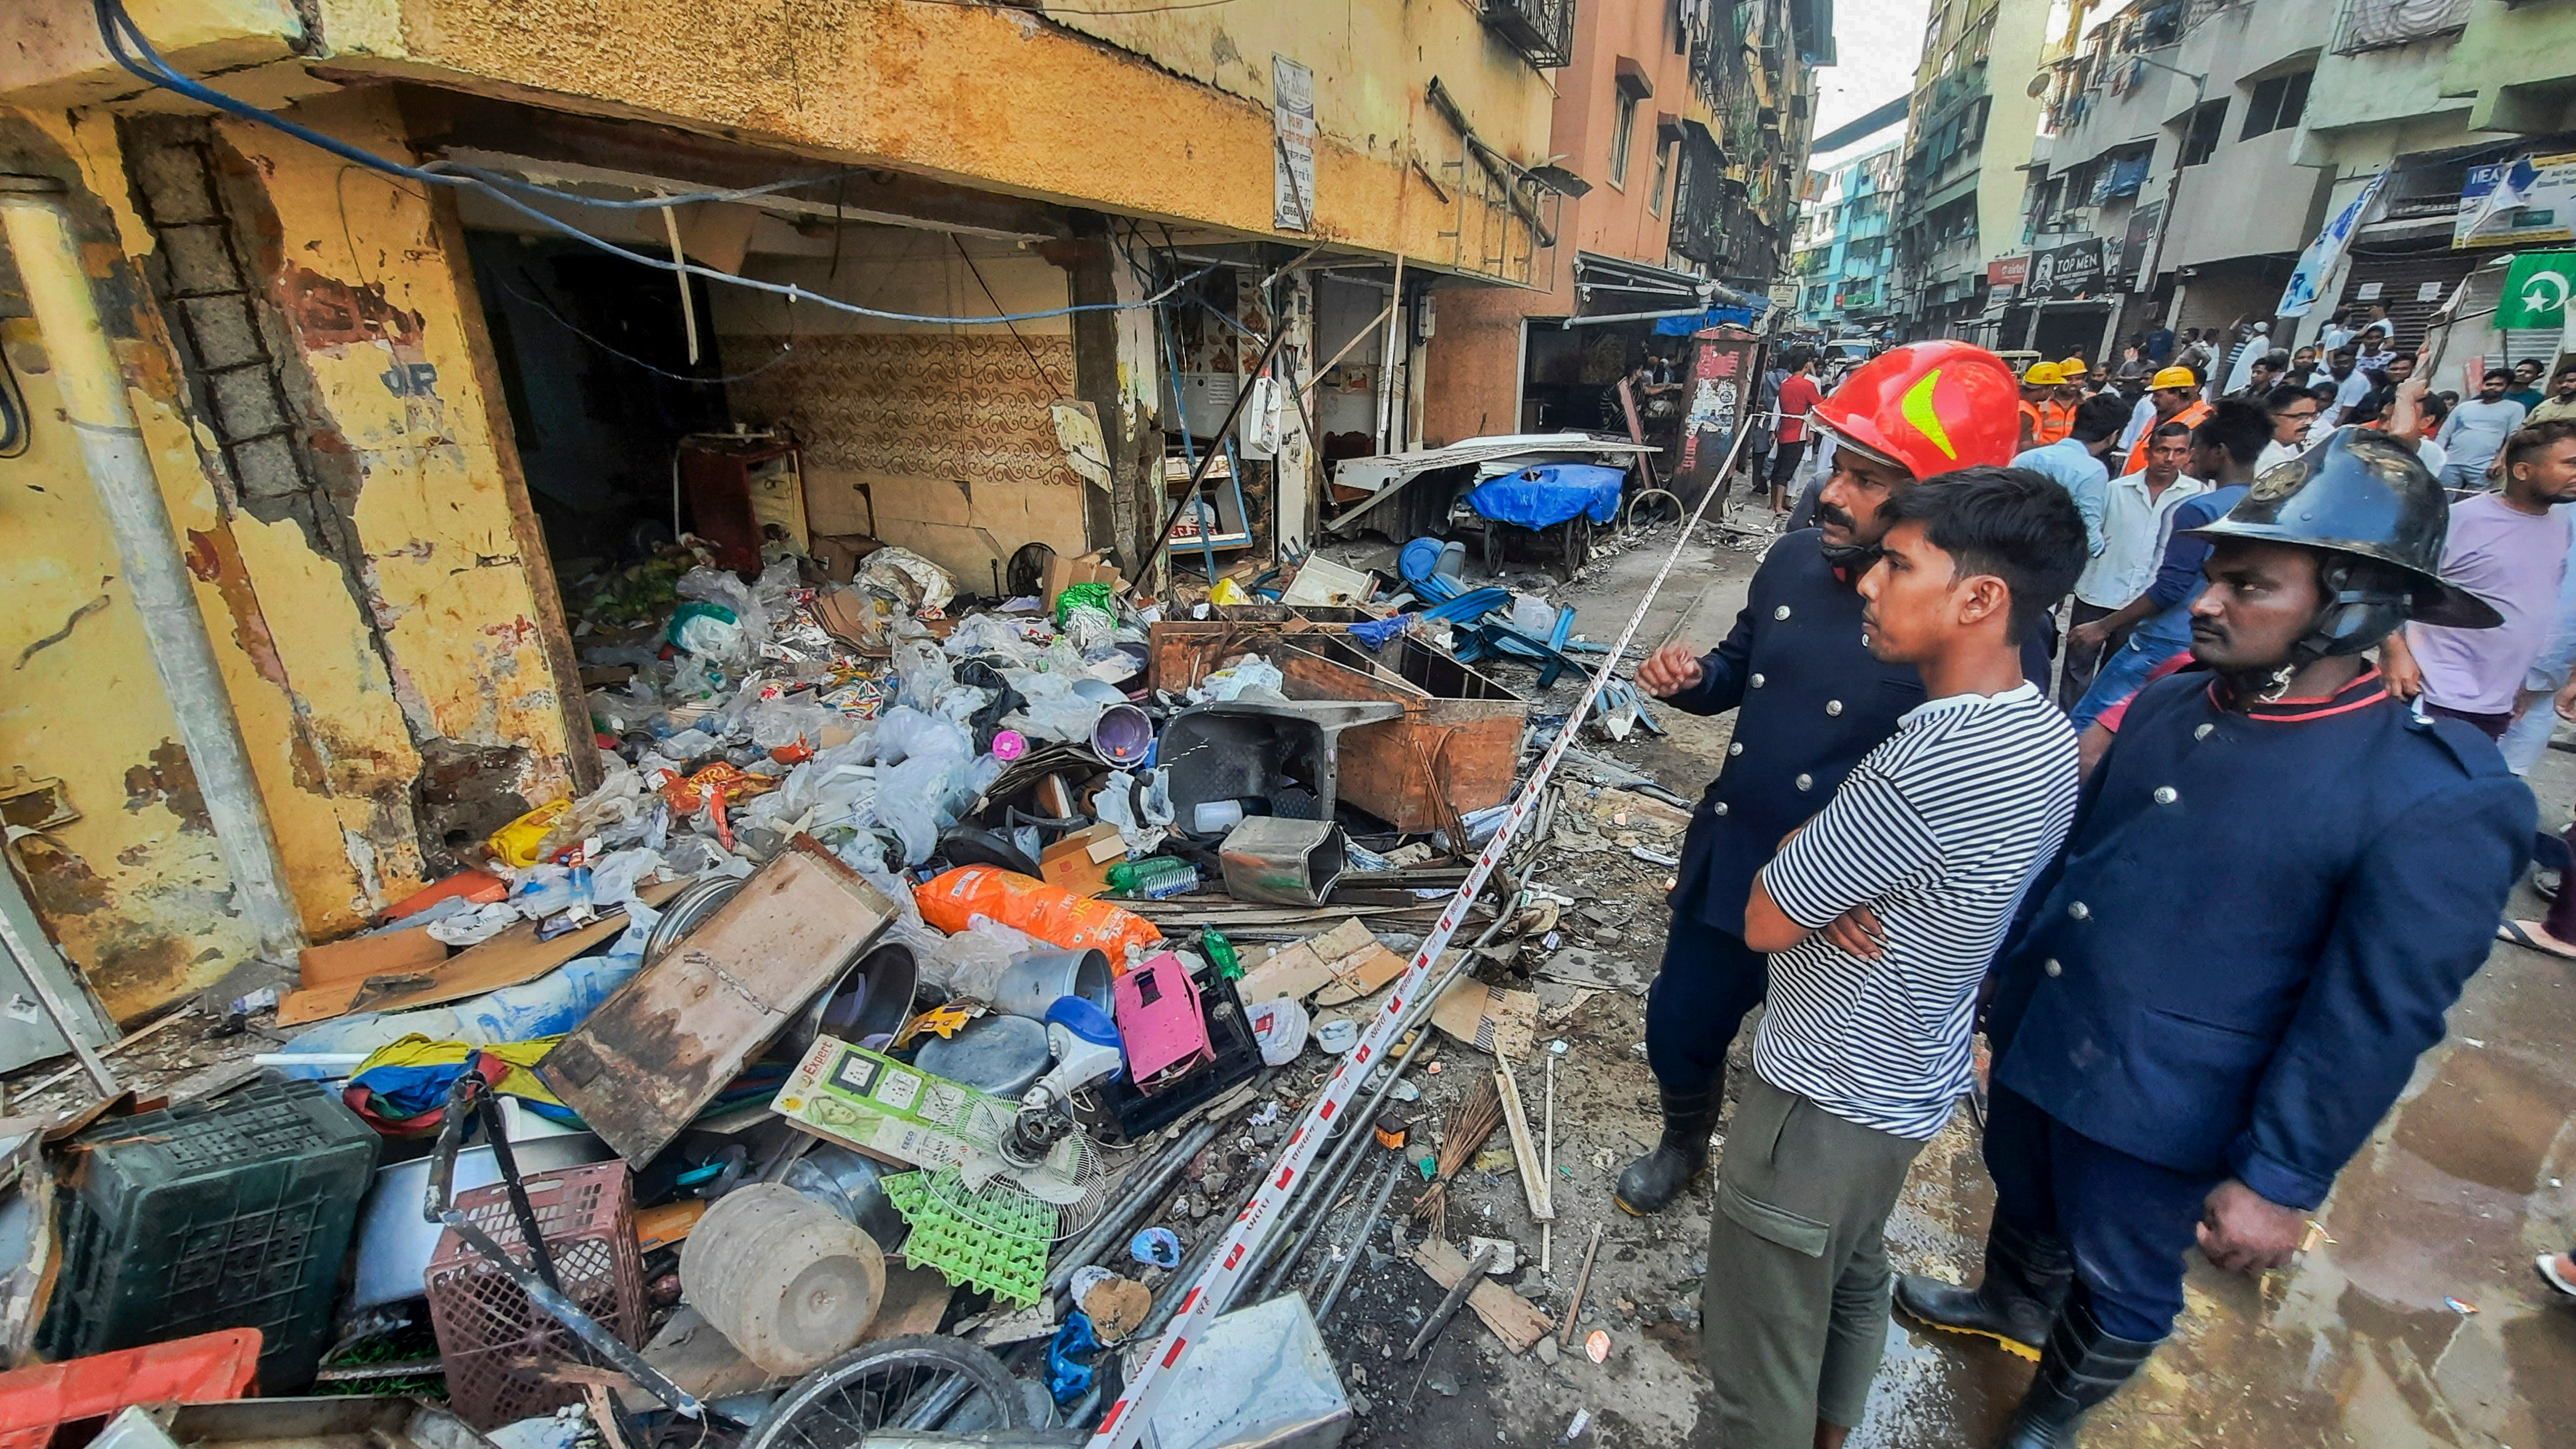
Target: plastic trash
(1338,1035)
(710,631)
(1533,615)
(1050,913)
(1252,676)
(1216,817)
(1279,1027)
(1156,1248)
(1153,878)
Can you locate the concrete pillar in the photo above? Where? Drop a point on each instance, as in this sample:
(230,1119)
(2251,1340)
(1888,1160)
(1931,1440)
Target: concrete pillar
(1113,370)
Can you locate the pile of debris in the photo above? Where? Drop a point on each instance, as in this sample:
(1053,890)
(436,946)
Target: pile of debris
(885,1041)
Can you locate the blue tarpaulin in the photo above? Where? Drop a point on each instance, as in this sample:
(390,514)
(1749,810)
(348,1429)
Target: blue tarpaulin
(1701,322)
(1547,496)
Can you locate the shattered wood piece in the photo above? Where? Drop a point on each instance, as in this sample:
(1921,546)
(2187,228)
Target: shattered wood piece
(658,1050)
(1534,1183)
(1490,1019)
(1514,1319)
(509,959)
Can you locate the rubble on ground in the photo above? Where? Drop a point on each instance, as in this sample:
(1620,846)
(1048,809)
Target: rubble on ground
(921,965)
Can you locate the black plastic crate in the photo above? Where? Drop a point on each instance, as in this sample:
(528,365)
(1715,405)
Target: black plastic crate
(1238,1057)
(233,1214)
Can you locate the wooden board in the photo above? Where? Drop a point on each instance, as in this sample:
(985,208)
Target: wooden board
(359,957)
(1514,1319)
(508,959)
(656,1052)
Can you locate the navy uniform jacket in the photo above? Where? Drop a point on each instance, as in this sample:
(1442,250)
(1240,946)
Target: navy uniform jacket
(2256,927)
(1810,700)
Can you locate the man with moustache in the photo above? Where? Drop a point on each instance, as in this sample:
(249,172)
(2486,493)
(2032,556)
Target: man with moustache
(1810,701)
(2191,1056)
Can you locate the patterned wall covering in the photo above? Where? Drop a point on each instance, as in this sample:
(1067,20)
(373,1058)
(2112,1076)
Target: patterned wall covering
(966,406)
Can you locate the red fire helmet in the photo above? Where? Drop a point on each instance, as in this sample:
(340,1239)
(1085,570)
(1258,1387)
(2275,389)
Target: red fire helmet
(1930,406)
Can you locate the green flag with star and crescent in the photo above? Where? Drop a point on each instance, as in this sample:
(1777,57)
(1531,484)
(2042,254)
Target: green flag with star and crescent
(2536,290)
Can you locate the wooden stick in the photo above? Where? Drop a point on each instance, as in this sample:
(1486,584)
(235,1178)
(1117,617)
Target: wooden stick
(1534,1184)
(1448,1308)
(1547,1157)
(1582,1281)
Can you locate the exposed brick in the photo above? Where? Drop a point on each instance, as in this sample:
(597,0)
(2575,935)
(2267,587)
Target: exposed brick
(200,258)
(266,468)
(225,334)
(173,181)
(245,402)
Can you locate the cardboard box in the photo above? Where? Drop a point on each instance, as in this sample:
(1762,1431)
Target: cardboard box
(838,554)
(1080,862)
(1090,568)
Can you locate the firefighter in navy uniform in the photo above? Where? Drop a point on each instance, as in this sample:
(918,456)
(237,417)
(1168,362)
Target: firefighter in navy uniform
(1810,700)
(2278,882)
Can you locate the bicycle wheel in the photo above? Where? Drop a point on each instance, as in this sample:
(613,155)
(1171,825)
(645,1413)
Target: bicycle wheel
(919,1381)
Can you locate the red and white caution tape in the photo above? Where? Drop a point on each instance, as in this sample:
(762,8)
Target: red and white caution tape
(1125,1422)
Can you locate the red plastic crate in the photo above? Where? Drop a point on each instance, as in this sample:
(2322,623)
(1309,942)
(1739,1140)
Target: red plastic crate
(36,1401)
(491,1336)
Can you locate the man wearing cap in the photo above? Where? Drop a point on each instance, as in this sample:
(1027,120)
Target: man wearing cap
(2043,419)
(2174,394)
(1809,699)
(2191,1055)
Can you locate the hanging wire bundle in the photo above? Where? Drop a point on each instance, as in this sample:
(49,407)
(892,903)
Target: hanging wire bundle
(1470,1123)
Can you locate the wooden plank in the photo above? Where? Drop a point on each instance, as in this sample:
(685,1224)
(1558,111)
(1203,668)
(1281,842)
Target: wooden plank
(1514,1319)
(508,959)
(1489,1018)
(1534,1183)
(359,957)
(655,1053)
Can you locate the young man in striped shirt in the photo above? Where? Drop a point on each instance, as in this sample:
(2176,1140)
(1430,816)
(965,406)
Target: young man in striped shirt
(1881,913)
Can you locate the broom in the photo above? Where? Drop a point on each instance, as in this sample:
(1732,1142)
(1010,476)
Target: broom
(1470,1123)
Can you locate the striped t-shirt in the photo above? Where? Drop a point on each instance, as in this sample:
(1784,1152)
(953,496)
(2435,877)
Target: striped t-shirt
(1937,831)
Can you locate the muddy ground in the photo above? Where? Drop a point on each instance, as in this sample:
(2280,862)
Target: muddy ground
(2420,1323)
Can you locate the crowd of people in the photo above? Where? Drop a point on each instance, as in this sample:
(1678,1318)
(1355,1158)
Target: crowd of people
(2311,661)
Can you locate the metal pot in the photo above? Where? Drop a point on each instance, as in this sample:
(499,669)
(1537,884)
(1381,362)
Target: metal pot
(873,998)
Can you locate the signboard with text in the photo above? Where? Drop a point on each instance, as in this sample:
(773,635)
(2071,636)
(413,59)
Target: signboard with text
(2067,273)
(1724,387)
(2006,277)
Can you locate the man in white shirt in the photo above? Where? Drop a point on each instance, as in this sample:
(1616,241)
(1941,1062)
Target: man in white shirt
(2351,383)
(1880,915)
(2137,516)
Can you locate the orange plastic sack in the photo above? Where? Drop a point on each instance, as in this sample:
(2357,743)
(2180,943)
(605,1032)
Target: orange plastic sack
(1049,912)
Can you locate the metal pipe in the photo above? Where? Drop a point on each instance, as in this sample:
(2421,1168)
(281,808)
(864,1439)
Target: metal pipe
(1360,1237)
(1338,1168)
(1386,359)
(1087,1249)
(1187,1277)
(92,387)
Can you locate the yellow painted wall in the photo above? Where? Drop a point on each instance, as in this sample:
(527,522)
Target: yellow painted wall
(335,687)
(1170,118)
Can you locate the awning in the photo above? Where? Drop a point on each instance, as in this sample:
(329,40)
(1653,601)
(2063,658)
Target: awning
(1615,285)
(1943,196)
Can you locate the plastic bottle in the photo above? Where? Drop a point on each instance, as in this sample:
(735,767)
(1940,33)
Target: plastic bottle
(1153,878)
(1221,951)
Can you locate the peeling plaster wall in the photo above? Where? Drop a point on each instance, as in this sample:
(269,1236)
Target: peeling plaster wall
(938,439)
(379,632)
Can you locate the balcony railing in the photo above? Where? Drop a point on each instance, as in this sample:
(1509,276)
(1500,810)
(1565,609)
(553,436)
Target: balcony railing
(1541,30)
(2378,24)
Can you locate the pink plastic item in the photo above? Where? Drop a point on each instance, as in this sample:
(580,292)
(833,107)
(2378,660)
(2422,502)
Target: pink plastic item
(1009,745)
(1160,1021)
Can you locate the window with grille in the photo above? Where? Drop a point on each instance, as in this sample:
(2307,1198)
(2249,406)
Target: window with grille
(2277,104)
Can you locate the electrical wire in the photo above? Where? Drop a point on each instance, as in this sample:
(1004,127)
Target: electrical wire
(17,435)
(117,30)
(978,274)
(785,350)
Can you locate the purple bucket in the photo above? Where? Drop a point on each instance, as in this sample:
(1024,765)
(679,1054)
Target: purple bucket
(1123,735)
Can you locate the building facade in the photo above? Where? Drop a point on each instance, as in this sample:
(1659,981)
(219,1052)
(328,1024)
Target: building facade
(2444,100)
(2161,125)
(1968,136)
(1681,131)
(1843,252)
(389,397)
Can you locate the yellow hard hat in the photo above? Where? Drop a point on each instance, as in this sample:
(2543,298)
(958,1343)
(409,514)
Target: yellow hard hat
(2173,377)
(2074,367)
(2043,374)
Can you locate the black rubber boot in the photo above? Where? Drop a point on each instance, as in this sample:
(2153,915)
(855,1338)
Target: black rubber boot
(1649,1184)
(2025,1284)
(2082,1367)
